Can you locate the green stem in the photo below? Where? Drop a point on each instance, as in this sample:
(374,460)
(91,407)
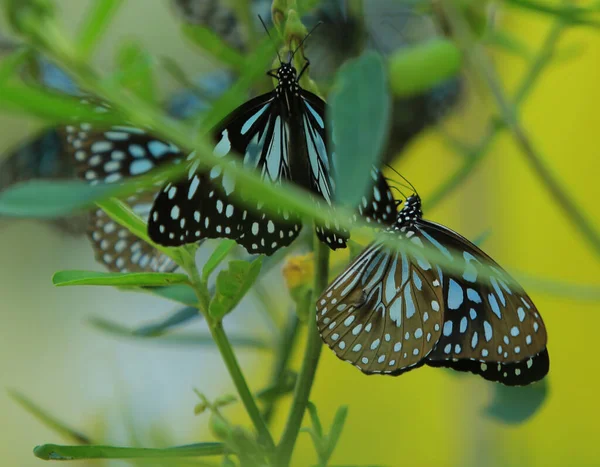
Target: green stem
(228,356)
(287,341)
(541,60)
(309,362)
(509,114)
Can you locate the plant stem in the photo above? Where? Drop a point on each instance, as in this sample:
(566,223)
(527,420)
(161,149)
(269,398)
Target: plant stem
(309,362)
(509,114)
(287,342)
(228,356)
(539,63)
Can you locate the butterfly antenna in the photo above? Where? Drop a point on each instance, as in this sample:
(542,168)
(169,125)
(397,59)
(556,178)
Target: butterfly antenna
(412,187)
(305,37)
(270,37)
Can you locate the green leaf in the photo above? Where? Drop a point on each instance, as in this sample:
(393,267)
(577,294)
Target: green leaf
(136,71)
(49,200)
(314,417)
(183,316)
(139,279)
(48,420)
(232,284)
(211,43)
(336,429)
(96,21)
(57,452)
(417,69)
(515,405)
(217,257)
(183,339)
(360,113)
(177,293)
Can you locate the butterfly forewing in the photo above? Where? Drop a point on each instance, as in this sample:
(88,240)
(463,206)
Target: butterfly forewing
(383,314)
(489,318)
(209,204)
(108,156)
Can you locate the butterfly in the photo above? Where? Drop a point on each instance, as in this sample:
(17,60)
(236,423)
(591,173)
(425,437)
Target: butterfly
(393,311)
(282,135)
(109,155)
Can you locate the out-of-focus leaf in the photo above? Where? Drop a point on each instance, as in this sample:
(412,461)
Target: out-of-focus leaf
(416,69)
(509,43)
(135,71)
(211,43)
(314,417)
(336,429)
(286,386)
(359,123)
(51,422)
(56,452)
(177,293)
(232,284)
(41,199)
(186,339)
(96,21)
(138,279)
(178,318)
(514,405)
(217,257)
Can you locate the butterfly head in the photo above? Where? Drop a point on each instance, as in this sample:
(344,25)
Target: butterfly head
(287,78)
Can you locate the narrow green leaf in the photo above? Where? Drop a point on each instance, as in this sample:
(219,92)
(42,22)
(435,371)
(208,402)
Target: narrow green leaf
(314,417)
(48,420)
(95,24)
(232,284)
(360,113)
(136,71)
(212,44)
(62,453)
(12,64)
(217,257)
(49,200)
(183,316)
(509,43)
(336,429)
(20,98)
(286,386)
(138,279)
(416,69)
(183,339)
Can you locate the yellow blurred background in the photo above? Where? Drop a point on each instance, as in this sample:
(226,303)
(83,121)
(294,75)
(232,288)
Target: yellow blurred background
(110,388)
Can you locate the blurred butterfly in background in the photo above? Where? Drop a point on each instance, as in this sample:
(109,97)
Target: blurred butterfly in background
(392,311)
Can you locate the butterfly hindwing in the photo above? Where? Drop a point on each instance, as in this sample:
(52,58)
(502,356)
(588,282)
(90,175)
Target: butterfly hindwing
(383,314)
(489,319)
(108,156)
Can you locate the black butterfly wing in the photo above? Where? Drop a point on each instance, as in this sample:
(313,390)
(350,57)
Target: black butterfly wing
(491,326)
(207,204)
(378,207)
(383,314)
(108,156)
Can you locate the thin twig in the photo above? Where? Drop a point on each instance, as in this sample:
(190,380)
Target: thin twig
(481,64)
(309,362)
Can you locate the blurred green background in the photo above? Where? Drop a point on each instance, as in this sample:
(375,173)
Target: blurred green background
(130,393)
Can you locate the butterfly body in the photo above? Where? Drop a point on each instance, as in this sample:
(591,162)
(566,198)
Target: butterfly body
(417,312)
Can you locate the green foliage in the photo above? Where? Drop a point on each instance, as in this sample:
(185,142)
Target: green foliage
(232,285)
(416,69)
(325,443)
(137,279)
(359,121)
(212,44)
(56,452)
(217,257)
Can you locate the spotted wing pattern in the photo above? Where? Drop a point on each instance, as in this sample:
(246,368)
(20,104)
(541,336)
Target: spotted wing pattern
(108,156)
(479,321)
(489,321)
(206,204)
(383,314)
